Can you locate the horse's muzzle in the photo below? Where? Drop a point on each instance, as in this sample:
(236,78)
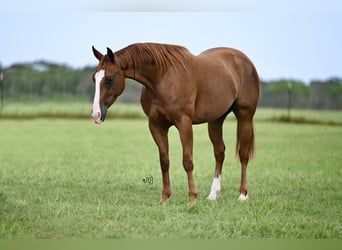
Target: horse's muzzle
(104,109)
(100,115)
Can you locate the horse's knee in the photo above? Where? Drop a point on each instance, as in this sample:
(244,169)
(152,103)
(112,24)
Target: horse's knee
(244,156)
(164,165)
(164,162)
(220,154)
(188,163)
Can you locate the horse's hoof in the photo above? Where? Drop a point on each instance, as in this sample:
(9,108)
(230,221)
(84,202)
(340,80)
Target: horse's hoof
(164,201)
(213,195)
(192,202)
(243,197)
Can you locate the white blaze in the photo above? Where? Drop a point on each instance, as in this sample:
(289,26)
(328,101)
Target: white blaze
(96,114)
(215,188)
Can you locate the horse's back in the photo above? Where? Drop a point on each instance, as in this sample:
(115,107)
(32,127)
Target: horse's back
(222,51)
(230,57)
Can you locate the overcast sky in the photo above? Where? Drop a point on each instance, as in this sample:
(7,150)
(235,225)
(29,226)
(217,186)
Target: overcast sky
(284,39)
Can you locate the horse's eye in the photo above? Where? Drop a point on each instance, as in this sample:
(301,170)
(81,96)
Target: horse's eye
(109,80)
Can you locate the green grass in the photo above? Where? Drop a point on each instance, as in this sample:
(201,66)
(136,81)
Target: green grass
(327,117)
(81,110)
(78,110)
(71,179)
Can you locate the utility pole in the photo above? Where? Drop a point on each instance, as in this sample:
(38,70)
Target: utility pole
(1,87)
(289,100)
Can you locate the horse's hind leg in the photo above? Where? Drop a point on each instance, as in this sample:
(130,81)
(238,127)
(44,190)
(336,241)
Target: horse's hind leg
(215,135)
(244,145)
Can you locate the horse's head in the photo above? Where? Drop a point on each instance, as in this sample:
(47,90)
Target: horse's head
(109,84)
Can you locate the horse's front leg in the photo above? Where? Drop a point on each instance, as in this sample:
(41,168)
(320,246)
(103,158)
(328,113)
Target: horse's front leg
(184,127)
(159,135)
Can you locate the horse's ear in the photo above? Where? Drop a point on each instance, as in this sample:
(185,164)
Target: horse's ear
(110,55)
(97,54)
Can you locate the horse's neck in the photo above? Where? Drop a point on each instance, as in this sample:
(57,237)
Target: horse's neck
(137,68)
(146,75)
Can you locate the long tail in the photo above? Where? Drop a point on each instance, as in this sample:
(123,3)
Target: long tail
(251,149)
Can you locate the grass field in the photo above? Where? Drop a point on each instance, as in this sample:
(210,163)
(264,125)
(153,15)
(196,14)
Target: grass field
(71,179)
(81,110)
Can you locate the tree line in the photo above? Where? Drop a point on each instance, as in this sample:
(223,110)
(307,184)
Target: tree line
(44,81)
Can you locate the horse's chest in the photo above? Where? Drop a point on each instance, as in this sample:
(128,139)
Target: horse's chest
(155,109)
(169,104)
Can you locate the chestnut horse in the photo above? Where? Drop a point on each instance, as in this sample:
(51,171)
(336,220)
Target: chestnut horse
(182,89)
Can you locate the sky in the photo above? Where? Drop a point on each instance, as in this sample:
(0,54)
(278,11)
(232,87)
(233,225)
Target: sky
(295,39)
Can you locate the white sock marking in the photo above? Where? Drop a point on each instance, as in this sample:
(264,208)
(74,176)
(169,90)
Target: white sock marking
(215,188)
(96,114)
(243,197)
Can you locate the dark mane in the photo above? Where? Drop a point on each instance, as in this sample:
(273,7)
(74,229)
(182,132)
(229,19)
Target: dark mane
(162,56)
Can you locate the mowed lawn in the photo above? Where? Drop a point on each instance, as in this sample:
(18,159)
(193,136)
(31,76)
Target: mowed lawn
(73,179)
